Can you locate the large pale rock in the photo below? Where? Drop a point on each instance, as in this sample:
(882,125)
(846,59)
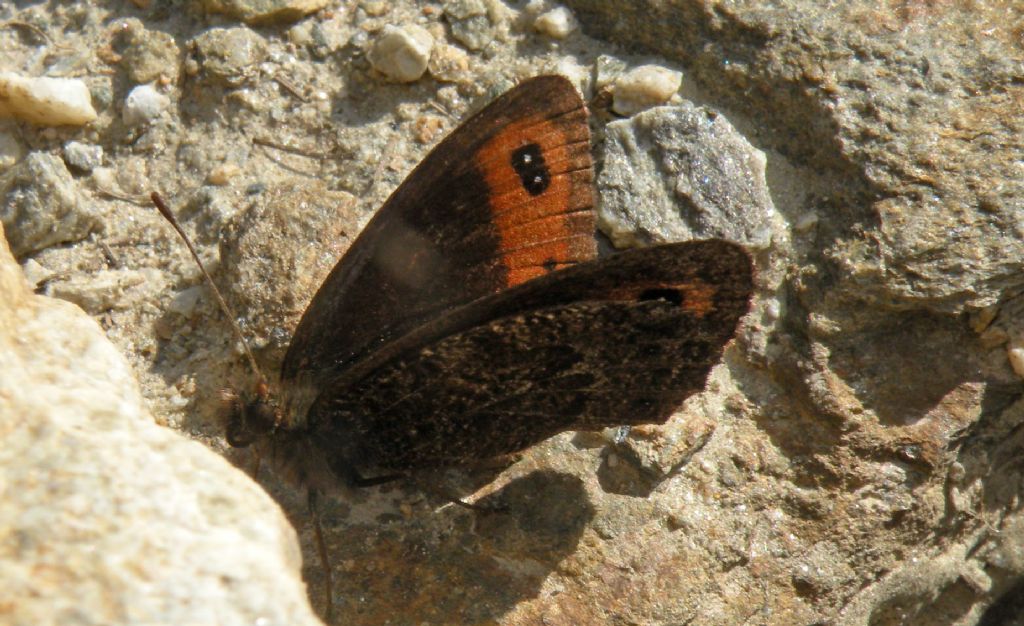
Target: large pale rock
(109,518)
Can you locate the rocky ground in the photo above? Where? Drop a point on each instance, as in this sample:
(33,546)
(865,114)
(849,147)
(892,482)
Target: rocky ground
(857,458)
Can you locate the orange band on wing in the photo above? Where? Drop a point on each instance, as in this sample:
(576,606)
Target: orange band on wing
(541,205)
(698,297)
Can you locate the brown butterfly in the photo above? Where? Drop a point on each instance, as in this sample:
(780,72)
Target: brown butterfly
(472,319)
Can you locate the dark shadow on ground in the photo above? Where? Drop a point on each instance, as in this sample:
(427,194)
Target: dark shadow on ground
(424,562)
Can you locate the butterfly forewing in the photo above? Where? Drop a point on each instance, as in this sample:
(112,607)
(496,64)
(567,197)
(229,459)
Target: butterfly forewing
(623,340)
(506,197)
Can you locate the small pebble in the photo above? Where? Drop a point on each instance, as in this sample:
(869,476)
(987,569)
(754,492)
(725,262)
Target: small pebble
(448,63)
(557,23)
(607,70)
(148,55)
(143,105)
(41,205)
(228,56)
(102,91)
(185,302)
(222,174)
(376,8)
(471,22)
(428,127)
(133,175)
(645,87)
(107,290)
(402,52)
(11,151)
(45,101)
(83,157)
(983,318)
(1015,352)
(806,222)
(103,178)
(265,12)
(301,34)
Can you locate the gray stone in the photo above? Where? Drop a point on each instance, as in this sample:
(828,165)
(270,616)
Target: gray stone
(229,55)
(678,173)
(83,157)
(473,22)
(148,55)
(42,206)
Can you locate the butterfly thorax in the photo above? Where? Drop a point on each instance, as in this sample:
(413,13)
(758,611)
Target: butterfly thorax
(280,434)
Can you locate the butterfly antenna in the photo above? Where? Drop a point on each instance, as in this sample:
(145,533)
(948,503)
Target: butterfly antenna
(161,206)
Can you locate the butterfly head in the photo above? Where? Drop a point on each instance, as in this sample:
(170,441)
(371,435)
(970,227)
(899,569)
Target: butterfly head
(249,419)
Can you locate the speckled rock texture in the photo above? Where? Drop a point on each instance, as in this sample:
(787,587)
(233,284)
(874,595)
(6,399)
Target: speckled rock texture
(855,459)
(108,518)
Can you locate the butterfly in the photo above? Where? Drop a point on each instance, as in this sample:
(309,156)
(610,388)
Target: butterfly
(471,318)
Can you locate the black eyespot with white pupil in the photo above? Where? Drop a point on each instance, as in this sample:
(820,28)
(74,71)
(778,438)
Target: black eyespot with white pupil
(528,163)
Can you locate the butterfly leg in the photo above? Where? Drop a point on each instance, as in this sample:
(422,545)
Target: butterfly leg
(361,481)
(321,548)
(255,470)
(445,494)
(350,476)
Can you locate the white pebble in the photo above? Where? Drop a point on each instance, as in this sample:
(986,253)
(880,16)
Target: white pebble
(143,105)
(45,101)
(556,23)
(645,87)
(1015,352)
(402,52)
(806,222)
(223,173)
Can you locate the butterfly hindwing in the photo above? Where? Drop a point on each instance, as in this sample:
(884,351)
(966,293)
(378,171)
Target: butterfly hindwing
(623,340)
(506,197)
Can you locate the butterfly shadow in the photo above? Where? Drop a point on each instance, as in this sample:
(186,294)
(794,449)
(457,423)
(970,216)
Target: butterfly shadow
(620,474)
(431,563)
(622,471)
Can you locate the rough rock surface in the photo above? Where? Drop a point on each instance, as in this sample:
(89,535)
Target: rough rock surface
(107,517)
(683,172)
(856,459)
(42,206)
